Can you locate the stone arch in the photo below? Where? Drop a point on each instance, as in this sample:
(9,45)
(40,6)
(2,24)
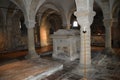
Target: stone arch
(67,15)
(116,29)
(44,7)
(48,23)
(60,10)
(55,20)
(66,19)
(11,12)
(49,13)
(115,9)
(14,29)
(8,25)
(29,9)
(115,23)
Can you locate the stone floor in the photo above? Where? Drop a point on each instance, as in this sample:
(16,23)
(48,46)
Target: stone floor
(34,69)
(106,68)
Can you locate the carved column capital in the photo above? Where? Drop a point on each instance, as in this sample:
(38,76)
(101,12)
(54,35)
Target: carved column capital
(30,23)
(84,4)
(81,13)
(85,17)
(107,22)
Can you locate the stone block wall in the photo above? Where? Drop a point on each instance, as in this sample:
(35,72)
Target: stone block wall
(2,41)
(11,38)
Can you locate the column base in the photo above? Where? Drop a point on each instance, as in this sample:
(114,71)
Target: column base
(108,51)
(31,55)
(79,70)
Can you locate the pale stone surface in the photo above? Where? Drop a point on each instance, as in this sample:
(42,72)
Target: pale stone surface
(84,16)
(85,50)
(31,44)
(34,69)
(107,24)
(66,44)
(108,37)
(107,68)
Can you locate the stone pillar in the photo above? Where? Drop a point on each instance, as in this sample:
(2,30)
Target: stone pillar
(85,16)
(85,43)
(9,33)
(85,47)
(107,33)
(85,36)
(108,47)
(31,44)
(66,16)
(66,26)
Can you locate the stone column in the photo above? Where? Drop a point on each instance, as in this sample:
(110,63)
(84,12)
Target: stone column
(85,47)
(31,44)
(108,47)
(85,16)
(66,26)
(66,16)
(85,36)
(9,33)
(85,42)
(107,33)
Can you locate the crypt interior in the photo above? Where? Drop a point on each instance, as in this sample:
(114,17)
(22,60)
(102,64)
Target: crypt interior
(59,39)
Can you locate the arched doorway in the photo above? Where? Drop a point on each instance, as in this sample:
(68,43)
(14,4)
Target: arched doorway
(50,22)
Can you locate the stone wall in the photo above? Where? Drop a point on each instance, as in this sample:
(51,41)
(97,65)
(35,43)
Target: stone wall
(2,41)
(11,38)
(98,40)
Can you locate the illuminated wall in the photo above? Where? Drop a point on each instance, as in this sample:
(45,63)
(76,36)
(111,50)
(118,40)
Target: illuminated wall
(44,33)
(50,23)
